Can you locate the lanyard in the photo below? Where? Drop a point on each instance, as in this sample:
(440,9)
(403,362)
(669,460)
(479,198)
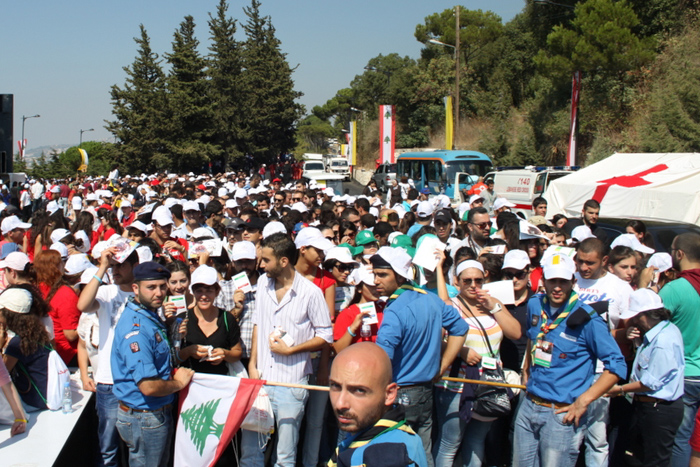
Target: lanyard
(544,327)
(158,323)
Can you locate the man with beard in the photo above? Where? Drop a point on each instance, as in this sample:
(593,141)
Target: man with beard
(479,226)
(363,399)
(682,298)
(290,322)
(589,217)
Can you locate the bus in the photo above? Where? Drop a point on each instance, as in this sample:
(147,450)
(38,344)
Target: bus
(442,170)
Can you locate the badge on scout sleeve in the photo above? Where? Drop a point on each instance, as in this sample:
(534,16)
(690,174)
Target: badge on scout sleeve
(543,353)
(159,339)
(134,346)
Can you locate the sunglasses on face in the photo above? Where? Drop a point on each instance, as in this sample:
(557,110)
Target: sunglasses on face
(296,199)
(279,200)
(469,281)
(344,267)
(371,245)
(482,225)
(510,275)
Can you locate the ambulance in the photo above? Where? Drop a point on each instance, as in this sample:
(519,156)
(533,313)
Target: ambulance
(521,185)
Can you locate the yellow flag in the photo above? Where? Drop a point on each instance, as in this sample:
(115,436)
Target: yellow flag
(353,142)
(449,124)
(84,156)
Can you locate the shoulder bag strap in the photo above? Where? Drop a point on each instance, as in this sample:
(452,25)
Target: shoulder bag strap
(484,335)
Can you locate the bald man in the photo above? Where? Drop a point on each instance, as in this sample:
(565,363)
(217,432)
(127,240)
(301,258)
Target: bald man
(363,396)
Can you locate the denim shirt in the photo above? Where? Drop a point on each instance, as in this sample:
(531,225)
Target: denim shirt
(660,363)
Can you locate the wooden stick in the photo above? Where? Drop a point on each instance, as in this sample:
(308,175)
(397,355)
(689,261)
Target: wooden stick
(446,378)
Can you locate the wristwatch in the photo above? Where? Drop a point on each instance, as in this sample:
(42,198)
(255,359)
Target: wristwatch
(496,309)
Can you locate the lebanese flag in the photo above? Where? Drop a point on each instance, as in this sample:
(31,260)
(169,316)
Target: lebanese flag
(387,131)
(212,409)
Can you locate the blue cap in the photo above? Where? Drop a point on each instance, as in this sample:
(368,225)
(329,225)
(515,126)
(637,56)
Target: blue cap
(150,271)
(425,191)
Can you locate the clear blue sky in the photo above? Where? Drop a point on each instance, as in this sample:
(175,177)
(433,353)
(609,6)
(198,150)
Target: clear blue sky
(59,59)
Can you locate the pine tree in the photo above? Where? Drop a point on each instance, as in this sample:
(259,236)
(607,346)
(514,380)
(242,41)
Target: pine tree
(224,68)
(270,107)
(190,101)
(199,422)
(140,109)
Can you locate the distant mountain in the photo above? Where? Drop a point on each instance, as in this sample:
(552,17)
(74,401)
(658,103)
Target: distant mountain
(34,153)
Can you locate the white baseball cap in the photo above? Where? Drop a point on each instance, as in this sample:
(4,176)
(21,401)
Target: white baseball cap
(58,235)
(395,258)
(231,203)
(631,240)
(191,206)
(243,250)
(17,300)
(52,207)
(474,198)
(61,248)
(299,206)
(516,259)
(642,300)
(273,228)
(341,254)
(76,264)
(15,260)
(204,275)
(240,193)
(424,209)
(81,235)
(162,216)
(202,232)
(502,203)
(558,266)
(329,192)
(581,233)
(125,203)
(11,223)
(138,225)
(311,236)
(661,261)
(364,274)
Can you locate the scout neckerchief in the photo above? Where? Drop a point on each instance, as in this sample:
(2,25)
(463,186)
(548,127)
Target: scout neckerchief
(138,308)
(544,327)
(403,289)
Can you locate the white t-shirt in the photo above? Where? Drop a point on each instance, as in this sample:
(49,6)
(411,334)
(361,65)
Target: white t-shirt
(88,331)
(111,300)
(608,288)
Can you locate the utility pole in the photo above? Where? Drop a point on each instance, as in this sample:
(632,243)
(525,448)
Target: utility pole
(456,129)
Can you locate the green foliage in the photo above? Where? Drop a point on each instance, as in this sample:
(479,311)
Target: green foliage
(65,164)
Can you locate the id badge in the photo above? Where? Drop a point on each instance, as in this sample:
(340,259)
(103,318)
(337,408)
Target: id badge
(489,363)
(543,354)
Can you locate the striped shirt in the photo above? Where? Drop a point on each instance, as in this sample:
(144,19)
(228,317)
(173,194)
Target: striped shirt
(476,341)
(245,320)
(302,313)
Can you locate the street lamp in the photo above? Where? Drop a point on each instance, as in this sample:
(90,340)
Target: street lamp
(81,135)
(21,143)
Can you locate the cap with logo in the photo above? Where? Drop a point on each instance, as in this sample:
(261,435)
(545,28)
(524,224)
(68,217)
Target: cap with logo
(558,266)
(364,237)
(404,242)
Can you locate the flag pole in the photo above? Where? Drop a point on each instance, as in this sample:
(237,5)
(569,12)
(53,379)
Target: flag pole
(447,378)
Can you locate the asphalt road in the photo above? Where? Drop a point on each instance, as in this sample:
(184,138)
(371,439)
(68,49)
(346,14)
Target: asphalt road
(353,187)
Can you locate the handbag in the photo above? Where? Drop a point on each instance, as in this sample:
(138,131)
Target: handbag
(490,401)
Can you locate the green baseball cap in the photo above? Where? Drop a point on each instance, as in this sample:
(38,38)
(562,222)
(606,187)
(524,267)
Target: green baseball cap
(405,242)
(364,237)
(354,250)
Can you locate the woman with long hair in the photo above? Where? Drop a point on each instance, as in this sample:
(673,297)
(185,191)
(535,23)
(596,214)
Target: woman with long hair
(63,303)
(622,262)
(109,224)
(340,264)
(85,222)
(27,353)
(179,282)
(639,229)
(489,321)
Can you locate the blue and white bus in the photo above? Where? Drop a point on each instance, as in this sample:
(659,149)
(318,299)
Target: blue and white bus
(443,170)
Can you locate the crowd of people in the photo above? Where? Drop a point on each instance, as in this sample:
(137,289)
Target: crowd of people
(389,300)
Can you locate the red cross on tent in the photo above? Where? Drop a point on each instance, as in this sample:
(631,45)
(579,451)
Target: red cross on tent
(627,181)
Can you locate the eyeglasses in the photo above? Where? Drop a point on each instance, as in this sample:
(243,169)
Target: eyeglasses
(296,199)
(279,200)
(330,238)
(483,225)
(371,245)
(509,275)
(344,267)
(469,281)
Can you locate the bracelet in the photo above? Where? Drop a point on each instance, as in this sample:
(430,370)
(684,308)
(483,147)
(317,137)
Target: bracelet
(98,279)
(22,420)
(351,333)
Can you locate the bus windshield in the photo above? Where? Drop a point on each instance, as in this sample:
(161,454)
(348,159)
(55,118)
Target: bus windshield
(477,168)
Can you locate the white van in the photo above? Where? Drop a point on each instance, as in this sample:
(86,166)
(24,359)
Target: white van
(521,186)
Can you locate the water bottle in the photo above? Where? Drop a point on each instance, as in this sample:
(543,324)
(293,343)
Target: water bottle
(177,336)
(365,332)
(67,398)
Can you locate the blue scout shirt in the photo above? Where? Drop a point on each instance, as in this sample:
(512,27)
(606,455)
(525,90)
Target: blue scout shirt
(580,339)
(659,363)
(140,350)
(411,334)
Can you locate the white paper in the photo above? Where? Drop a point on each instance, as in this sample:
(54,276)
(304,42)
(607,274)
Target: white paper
(501,290)
(241,282)
(425,254)
(211,246)
(369,307)
(180,303)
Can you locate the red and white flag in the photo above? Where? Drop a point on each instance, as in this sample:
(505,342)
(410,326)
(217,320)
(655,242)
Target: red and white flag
(387,131)
(212,409)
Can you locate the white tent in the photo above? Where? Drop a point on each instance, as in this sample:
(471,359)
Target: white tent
(647,186)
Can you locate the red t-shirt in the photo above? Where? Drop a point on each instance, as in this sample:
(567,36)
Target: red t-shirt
(63,309)
(535,277)
(323,280)
(176,253)
(347,316)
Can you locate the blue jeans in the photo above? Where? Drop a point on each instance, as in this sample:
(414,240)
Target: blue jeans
(315,413)
(596,435)
(691,402)
(419,413)
(288,407)
(252,448)
(107,406)
(147,435)
(542,439)
(454,433)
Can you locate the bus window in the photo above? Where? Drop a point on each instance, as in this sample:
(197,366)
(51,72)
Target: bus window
(433,171)
(477,168)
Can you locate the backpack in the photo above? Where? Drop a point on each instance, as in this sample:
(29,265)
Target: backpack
(57,375)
